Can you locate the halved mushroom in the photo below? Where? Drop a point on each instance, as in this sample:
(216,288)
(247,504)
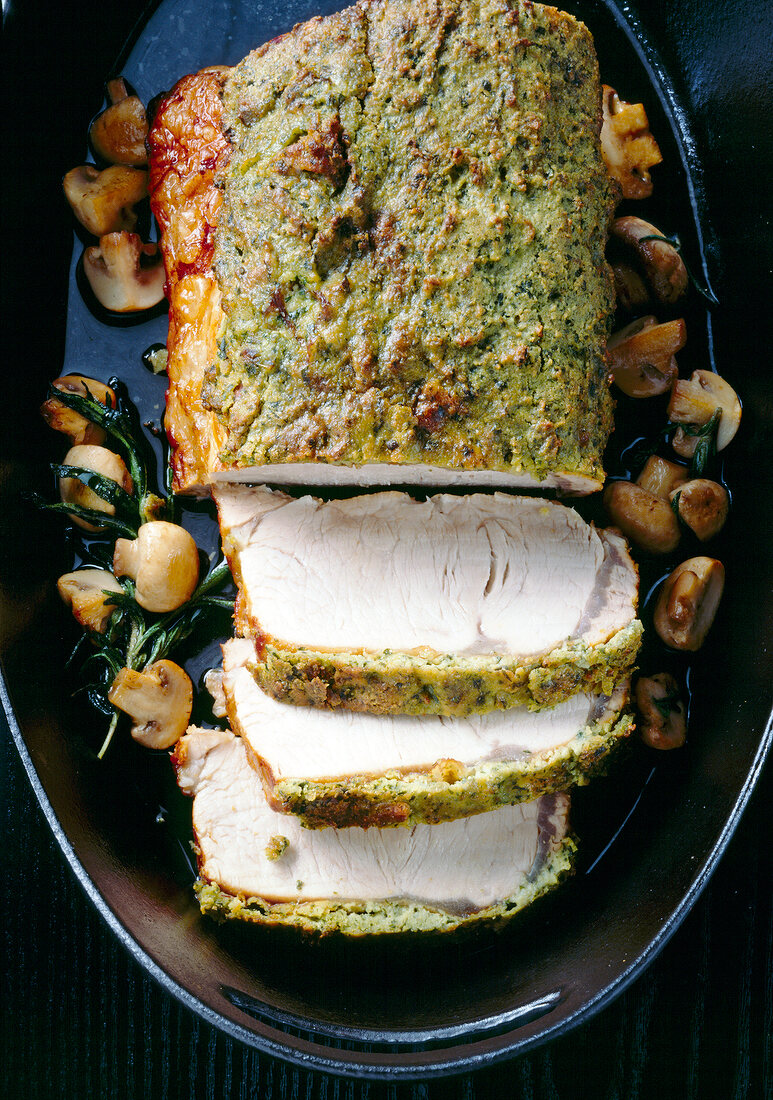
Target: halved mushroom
(694,400)
(628,147)
(103,201)
(703,505)
(102,461)
(125,274)
(70,422)
(118,133)
(159,700)
(630,289)
(86,593)
(647,520)
(659,261)
(660,476)
(642,356)
(662,713)
(688,602)
(163,561)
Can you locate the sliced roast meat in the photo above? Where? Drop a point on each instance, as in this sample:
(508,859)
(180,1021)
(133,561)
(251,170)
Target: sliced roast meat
(262,866)
(450,605)
(345,768)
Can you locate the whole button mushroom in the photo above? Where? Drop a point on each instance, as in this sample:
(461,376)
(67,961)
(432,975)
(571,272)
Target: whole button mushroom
(89,456)
(159,700)
(659,261)
(688,602)
(118,134)
(68,421)
(643,356)
(125,274)
(694,400)
(163,562)
(647,520)
(103,202)
(662,713)
(703,505)
(87,593)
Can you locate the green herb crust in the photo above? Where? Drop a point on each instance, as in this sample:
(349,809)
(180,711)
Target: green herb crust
(449,790)
(411,244)
(406,683)
(367,918)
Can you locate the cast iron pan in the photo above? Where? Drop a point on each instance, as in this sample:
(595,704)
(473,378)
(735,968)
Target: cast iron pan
(651,833)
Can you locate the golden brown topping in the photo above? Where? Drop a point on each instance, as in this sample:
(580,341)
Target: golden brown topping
(688,602)
(118,133)
(647,520)
(102,461)
(70,422)
(662,713)
(642,356)
(84,592)
(103,201)
(125,274)
(628,147)
(659,261)
(695,400)
(703,505)
(163,561)
(160,701)
(660,476)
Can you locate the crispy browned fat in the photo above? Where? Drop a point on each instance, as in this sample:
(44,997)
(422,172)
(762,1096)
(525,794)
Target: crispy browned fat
(392,269)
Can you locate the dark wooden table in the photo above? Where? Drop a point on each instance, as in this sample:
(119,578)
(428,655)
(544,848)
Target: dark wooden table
(82,1021)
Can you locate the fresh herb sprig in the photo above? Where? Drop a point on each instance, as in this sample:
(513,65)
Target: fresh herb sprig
(133,637)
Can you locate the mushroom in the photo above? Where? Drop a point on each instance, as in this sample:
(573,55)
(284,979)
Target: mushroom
(694,400)
(86,593)
(703,505)
(71,423)
(630,290)
(661,477)
(661,264)
(647,520)
(163,562)
(89,456)
(125,274)
(688,602)
(628,147)
(642,356)
(159,700)
(118,133)
(662,712)
(103,201)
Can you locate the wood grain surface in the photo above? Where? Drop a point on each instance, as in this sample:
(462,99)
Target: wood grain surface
(82,1021)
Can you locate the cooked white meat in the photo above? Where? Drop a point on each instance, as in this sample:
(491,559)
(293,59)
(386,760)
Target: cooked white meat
(341,767)
(503,578)
(453,870)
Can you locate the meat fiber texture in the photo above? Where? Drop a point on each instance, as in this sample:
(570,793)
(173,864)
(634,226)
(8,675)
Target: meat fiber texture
(343,768)
(261,866)
(384,235)
(454,605)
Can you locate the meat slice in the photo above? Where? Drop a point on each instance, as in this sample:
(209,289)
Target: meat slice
(261,866)
(452,605)
(404,207)
(342,768)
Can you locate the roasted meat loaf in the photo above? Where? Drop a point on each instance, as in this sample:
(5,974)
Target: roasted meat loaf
(261,866)
(384,235)
(452,605)
(343,768)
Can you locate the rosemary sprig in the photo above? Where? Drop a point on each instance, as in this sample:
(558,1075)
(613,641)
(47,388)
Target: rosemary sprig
(704,291)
